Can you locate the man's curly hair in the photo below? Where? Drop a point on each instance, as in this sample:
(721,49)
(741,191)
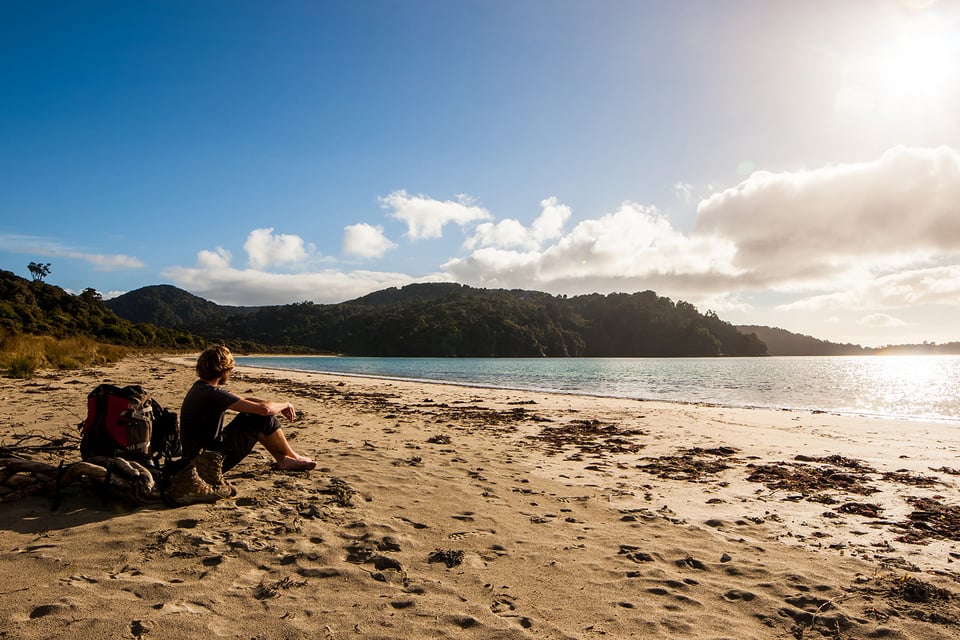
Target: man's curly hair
(214,362)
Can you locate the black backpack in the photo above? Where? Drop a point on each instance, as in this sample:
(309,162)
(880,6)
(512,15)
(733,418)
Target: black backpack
(126,422)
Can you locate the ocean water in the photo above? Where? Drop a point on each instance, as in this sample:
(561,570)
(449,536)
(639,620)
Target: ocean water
(901,387)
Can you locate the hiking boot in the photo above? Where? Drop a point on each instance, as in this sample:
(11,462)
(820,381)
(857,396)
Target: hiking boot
(187,487)
(209,465)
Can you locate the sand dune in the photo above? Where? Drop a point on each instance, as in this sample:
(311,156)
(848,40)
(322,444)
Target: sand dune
(449,512)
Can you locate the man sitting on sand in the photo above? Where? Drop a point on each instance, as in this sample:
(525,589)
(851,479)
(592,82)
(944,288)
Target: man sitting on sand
(205,405)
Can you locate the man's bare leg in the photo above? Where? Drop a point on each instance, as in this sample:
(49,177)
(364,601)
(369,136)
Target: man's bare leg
(287,459)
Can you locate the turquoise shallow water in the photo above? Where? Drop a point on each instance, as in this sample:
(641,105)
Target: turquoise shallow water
(904,387)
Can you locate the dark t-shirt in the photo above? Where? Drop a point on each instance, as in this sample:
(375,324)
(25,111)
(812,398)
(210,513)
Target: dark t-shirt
(201,416)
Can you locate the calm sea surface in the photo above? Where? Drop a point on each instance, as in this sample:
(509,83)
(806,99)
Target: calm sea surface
(912,387)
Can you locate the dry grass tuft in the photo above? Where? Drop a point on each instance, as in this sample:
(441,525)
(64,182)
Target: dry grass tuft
(22,355)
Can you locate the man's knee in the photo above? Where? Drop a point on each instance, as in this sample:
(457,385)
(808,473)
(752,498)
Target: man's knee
(255,424)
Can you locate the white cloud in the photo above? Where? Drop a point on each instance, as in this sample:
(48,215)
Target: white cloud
(549,224)
(36,245)
(633,248)
(265,249)
(882,320)
(859,235)
(506,234)
(938,285)
(870,237)
(107,263)
(722,302)
(683,191)
(512,234)
(219,258)
(811,228)
(214,279)
(426,217)
(365,241)
(101,262)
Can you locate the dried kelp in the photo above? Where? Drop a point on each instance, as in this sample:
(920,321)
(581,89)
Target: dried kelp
(905,477)
(341,492)
(690,465)
(866,509)
(809,480)
(930,519)
(450,557)
(836,461)
(590,437)
(908,596)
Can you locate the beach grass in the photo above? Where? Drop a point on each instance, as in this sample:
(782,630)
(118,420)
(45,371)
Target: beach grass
(21,355)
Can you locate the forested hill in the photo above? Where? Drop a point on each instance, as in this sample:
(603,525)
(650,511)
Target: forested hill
(781,342)
(37,308)
(455,320)
(167,306)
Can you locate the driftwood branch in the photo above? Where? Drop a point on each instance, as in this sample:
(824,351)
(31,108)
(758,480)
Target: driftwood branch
(35,442)
(122,478)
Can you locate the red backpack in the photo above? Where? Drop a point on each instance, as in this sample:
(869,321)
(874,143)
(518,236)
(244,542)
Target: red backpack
(126,422)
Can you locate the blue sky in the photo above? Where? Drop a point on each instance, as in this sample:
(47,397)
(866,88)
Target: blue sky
(794,164)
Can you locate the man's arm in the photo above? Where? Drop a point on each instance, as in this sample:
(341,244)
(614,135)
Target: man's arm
(264,408)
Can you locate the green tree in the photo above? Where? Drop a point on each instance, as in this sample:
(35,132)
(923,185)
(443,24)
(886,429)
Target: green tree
(39,271)
(91,295)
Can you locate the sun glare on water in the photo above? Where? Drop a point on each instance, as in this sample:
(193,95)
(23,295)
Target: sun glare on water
(900,380)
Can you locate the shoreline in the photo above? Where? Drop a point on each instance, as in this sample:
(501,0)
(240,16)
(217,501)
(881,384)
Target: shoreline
(941,420)
(450,511)
(740,426)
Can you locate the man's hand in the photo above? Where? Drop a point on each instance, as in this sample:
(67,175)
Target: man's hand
(264,408)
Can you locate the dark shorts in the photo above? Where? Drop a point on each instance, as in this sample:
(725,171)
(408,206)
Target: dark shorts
(239,437)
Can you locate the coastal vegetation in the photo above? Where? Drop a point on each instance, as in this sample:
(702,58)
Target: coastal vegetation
(22,355)
(37,308)
(785,343)
(781,342)
(43,326)
(453,320)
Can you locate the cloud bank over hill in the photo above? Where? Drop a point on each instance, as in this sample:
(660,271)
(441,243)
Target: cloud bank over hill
(874,236)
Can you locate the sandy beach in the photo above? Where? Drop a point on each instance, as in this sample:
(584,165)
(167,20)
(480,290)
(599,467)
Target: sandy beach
(439,511)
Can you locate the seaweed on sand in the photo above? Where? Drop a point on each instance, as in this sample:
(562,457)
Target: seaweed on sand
(836,461)
(450,557)
(590,437)
(690,464)
(341,493)
(810,480)
(866,509)
(930,519)
(905,477)
(908,596)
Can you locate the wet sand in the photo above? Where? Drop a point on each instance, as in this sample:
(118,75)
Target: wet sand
(439,511)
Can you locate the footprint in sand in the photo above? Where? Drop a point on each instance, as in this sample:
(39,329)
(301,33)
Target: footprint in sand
(460,535)
(43,610)
(415,525)
(79,580)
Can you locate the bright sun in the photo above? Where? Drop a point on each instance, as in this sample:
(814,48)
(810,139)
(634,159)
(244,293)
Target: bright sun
(919,66)
(915,69)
